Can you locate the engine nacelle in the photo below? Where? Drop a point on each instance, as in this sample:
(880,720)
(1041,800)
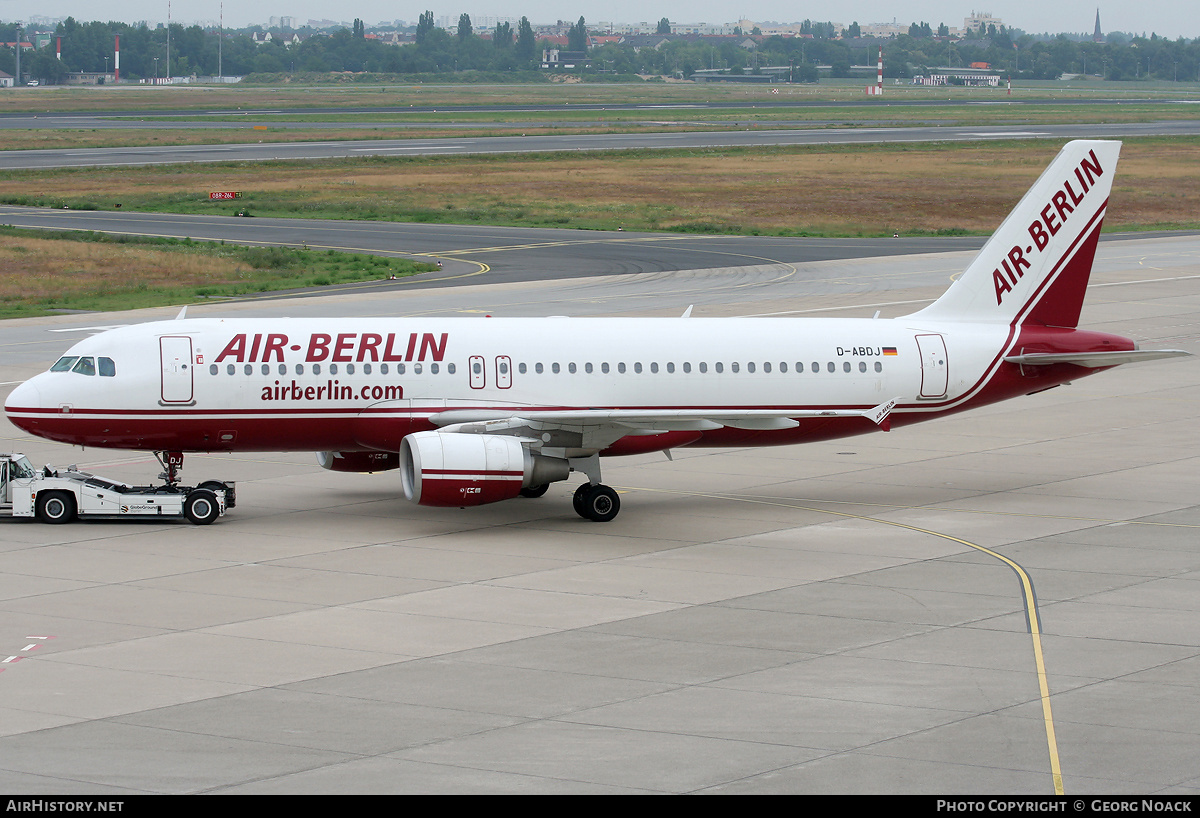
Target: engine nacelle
(360,462)
(450,469)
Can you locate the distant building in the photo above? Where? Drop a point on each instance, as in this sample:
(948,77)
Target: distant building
(1097,35)
(6,80)
(553,58)
(975,77)
(979,22)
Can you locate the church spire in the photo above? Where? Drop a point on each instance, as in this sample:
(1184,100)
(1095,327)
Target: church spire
(1097,35)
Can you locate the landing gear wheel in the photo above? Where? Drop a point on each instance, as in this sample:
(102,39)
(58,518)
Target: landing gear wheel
(535,491)
(56,507)
(201,507)
(597,503)
(577,499)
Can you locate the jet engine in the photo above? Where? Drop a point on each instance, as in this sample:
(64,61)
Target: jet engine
(455,469)
(359,461)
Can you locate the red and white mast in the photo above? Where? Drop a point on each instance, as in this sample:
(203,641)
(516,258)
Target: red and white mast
(877,88)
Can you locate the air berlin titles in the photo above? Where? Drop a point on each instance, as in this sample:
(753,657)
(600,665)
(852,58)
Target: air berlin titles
(1051,219)
(347,347)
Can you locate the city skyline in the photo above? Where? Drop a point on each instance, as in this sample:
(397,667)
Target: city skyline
(1165,18)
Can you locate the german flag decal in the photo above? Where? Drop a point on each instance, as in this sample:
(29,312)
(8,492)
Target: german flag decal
(889,351)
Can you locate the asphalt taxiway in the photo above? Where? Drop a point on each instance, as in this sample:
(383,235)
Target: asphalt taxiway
(840,617)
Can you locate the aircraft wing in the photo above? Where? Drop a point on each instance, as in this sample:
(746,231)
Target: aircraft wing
(1094,360)
(622,422)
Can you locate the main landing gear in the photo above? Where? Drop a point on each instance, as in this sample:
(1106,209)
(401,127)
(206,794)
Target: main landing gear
(593,500)
(596,502)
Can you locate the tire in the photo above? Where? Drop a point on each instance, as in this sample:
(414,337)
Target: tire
(601,504)
(218,485)
(535,491)
(56,507)
(201,507)
(578,497)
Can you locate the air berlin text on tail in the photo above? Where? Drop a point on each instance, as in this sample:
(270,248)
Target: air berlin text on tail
(1052,218)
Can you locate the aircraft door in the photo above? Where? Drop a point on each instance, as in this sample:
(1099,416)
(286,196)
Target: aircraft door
(176,353)
(503,372)
(934,370)
(477,372)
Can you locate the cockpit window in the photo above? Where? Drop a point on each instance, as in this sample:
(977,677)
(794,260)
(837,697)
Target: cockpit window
(64,364)
(108,369)
(85,366)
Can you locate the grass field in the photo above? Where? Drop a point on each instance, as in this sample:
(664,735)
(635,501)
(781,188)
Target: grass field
(828,191)
(42,273)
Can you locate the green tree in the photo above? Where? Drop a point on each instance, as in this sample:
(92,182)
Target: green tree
(664,26)
(577,37)
(526,41)
(502,37)
(424,26)
(854,32)
(464,27)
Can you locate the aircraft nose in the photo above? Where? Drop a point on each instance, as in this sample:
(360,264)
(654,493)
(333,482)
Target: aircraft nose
(25,396)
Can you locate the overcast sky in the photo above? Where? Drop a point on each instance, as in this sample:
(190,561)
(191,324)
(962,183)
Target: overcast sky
(1170,18)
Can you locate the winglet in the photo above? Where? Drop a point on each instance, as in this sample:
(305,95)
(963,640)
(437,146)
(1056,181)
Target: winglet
(688,312)
(182,313)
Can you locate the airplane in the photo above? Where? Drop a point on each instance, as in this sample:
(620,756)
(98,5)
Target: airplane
(478,410)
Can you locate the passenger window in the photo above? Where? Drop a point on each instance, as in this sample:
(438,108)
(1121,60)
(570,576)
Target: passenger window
(333,369)
(416,369)
(299,369)
(750,366)
(108,369)
(316,369)
(383,369)
(449,368)
(349,369)
(366,369)
(782,366)
(571,367)
(249,369)
(832,367)
(538,368)
(621,368)
(230,369)
(816,367)
(846,366)
(654,368)
(213,369)
(878,366)
(588,367)
(522,369)
(703,367)
(604,367)
(266,369)
(637,367)
(734,367)
(720,367)
(862,366)
(555,368)
(85,366)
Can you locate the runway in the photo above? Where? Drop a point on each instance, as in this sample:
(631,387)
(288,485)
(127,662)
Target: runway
(749,137)
(847,617)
